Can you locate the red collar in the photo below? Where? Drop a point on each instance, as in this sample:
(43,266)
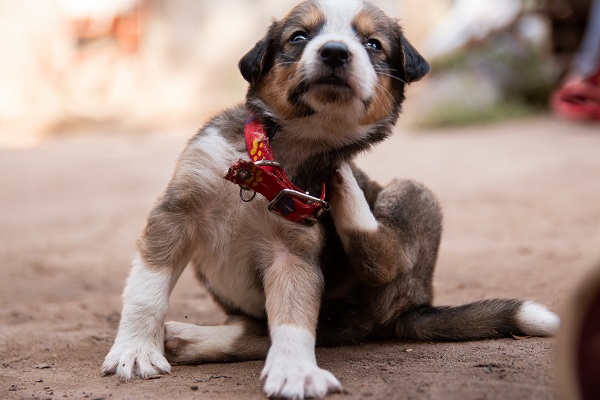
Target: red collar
(265,176)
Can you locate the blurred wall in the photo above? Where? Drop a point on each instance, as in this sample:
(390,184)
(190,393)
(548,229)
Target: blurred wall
(66,63)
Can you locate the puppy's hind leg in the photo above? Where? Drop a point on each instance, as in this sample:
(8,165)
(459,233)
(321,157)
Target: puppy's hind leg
(385,232)
(239,339)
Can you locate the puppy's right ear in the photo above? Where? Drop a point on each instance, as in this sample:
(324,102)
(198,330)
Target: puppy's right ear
(258,61)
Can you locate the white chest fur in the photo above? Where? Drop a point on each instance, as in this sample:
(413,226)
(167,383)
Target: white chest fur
(237,240)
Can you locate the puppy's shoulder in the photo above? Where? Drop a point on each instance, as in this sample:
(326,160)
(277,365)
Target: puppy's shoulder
(227,126)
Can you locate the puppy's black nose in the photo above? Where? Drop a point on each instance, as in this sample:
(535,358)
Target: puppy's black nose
(335,54)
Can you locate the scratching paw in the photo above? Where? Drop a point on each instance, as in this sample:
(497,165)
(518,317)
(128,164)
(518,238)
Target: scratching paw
(343,178)
(349,208)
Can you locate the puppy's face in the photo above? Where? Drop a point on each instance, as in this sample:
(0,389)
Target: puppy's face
(342,58)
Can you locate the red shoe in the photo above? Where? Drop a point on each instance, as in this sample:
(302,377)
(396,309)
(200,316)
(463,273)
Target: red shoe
(578,99)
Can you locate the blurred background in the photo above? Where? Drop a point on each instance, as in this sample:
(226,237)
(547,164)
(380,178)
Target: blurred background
(70,66)
(98,97)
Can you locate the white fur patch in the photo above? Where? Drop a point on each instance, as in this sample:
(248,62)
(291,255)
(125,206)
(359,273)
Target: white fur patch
(536,320)
(138,347)
(218,155)
(339,15)
(349,207)
(291,369)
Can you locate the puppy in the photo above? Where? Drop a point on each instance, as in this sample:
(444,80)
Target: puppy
(325,83)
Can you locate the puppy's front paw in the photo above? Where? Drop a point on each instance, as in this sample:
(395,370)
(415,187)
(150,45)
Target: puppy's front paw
(291,370)
(298,380)
(129,360)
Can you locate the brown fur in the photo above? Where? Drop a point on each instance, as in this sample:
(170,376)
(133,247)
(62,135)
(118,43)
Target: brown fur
(275,91)
(306,17)
(383,105)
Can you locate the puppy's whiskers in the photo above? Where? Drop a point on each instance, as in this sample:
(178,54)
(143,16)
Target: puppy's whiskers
(387,93)
(287,63)
(385,73)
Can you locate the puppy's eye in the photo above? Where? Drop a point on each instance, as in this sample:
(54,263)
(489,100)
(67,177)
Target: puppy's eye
(299,36)
(374,44)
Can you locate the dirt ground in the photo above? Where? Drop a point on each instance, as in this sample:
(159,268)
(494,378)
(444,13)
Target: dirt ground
(522,206)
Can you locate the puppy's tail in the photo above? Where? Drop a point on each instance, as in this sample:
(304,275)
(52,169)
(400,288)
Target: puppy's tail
(480,320)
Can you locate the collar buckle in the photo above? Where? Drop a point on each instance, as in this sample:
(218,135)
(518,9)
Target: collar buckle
(283,204)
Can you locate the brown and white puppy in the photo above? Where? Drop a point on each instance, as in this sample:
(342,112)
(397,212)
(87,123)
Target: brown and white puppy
(327,82)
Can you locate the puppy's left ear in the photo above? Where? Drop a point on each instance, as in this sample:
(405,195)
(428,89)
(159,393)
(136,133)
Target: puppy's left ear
(415,66)
(257,61)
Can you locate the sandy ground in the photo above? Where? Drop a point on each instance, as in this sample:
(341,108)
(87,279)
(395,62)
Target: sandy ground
(522,206)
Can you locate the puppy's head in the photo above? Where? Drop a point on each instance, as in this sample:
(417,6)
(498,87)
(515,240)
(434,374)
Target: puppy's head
(342,58)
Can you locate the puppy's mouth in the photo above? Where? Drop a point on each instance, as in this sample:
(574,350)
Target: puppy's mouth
(333,81)
(325,89)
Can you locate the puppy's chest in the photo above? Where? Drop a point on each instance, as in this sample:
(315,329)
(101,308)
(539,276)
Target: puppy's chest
(232,257)
(238,239)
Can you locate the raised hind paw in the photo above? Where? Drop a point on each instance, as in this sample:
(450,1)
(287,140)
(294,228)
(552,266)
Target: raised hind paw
(349,207)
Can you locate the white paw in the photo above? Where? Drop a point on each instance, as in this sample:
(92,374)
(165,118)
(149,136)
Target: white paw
(291,370)
(349,207)
(138,348)
(344,176)
(130,360)
(298,380)
(344,184)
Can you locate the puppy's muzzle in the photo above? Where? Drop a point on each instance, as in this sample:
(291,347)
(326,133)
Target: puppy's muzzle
(335,54)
